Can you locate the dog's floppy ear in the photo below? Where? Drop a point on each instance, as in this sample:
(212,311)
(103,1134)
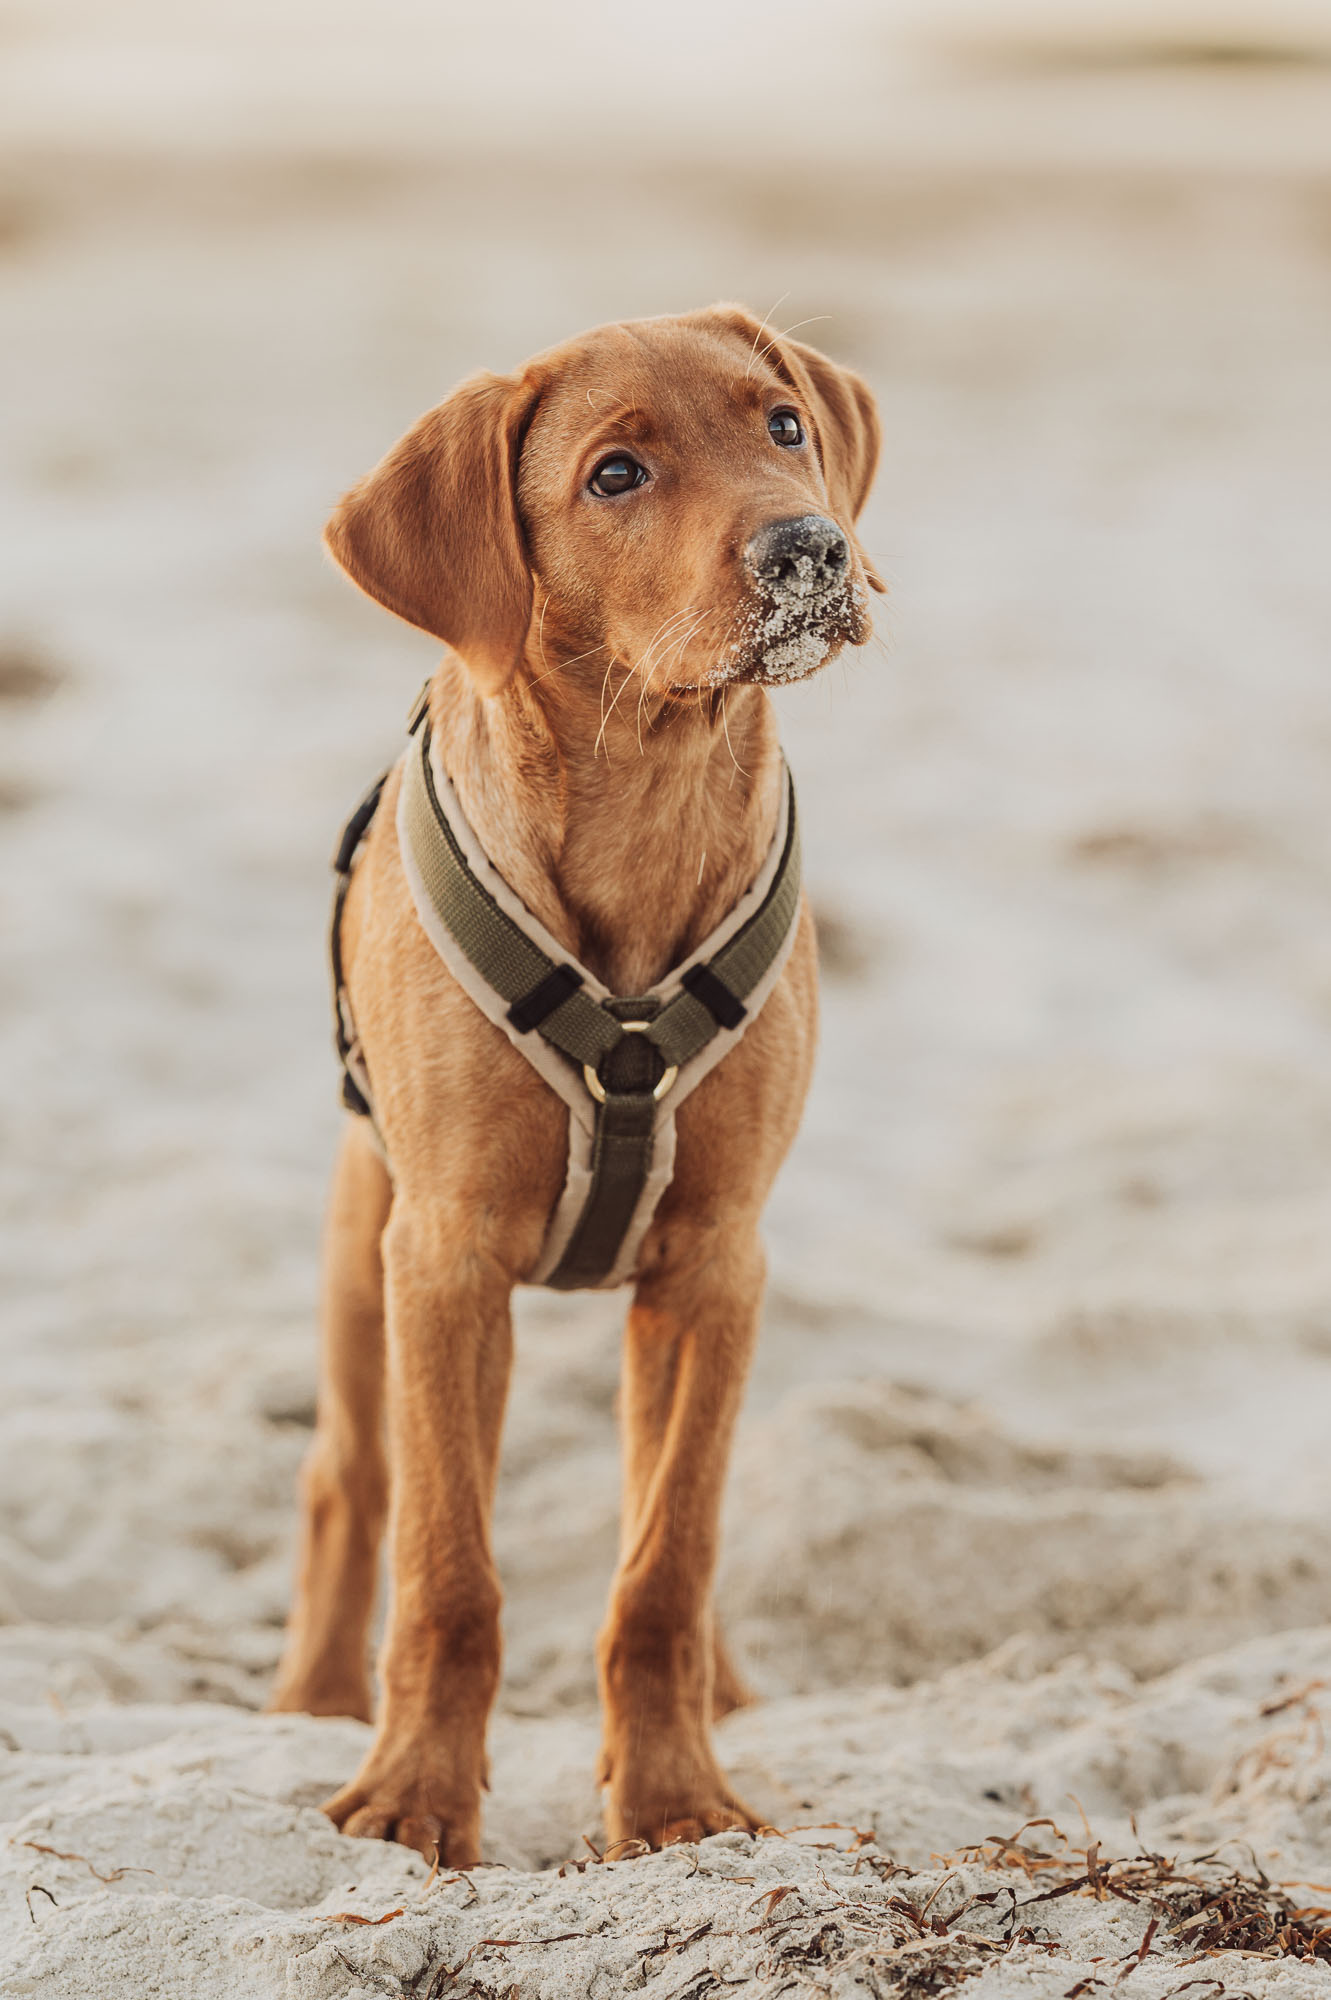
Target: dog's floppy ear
(840,404)
(847,420)
(433,532)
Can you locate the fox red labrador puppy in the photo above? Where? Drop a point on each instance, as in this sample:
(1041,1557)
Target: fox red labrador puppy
(622,546)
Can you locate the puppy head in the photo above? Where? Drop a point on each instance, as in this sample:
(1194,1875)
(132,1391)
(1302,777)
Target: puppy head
(677,495)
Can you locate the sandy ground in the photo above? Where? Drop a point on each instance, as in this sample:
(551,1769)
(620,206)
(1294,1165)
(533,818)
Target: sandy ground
(1032,1493)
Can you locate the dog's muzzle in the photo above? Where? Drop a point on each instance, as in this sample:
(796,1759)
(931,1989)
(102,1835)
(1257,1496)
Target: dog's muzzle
(803,606)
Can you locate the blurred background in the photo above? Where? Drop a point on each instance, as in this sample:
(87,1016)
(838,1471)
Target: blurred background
(1048,1343)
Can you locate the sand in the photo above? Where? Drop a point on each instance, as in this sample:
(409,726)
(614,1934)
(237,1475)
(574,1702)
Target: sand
(159,1849)
(1030,1511)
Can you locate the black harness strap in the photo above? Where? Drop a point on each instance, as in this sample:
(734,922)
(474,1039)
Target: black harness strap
(344,1034)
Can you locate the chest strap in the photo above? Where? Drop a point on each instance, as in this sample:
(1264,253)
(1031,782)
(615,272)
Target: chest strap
(621,1064)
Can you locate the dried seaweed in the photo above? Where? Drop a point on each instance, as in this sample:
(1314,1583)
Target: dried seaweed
(39,1889)
(1203,1904)
(895,1946)
(618,1850)
(810,1936)
(58,1854)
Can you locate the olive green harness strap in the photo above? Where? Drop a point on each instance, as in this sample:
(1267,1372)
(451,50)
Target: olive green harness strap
(622,1147)
(621,1064)
(550,996)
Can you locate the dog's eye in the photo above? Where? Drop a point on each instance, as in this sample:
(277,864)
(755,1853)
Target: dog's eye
(784,427)
(619,474)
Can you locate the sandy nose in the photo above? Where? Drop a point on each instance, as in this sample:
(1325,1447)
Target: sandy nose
(779,552)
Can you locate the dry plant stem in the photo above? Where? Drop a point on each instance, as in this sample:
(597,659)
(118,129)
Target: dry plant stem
(687,1348)
(449,1355)
(325,1669)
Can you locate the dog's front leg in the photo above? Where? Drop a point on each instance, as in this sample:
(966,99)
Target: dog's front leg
(449,1352)
(688,1344)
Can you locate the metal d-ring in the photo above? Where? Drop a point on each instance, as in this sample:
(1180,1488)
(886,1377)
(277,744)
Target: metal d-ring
(597,1088)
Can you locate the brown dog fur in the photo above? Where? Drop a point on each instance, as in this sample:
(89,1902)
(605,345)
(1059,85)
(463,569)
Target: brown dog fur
(602,715)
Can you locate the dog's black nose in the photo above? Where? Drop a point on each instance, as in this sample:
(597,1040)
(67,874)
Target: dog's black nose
(778,553)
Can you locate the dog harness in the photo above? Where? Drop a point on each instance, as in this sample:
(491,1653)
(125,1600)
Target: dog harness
(621,1064)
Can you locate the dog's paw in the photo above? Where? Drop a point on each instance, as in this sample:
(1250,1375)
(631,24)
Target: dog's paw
(713,1819)
(412,1812)
(670,1822)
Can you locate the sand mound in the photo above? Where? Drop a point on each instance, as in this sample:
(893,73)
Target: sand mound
(878,1532)
(176,1850)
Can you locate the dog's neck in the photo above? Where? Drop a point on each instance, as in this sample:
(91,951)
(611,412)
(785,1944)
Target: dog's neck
(629,834)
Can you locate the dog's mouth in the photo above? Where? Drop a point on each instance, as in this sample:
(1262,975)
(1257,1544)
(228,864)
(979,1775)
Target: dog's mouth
(785,635)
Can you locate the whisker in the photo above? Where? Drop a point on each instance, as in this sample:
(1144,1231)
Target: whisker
(725,725)
(645,670)
(606,713)
(811,321)
(637,719)
(675,618)
(609,669)
(646,664)
(682,639)
(605,719)
(758,336)
(727,639)
(566,663)
(674,652)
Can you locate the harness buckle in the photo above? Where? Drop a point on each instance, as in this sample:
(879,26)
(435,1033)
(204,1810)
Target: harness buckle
(667,1077)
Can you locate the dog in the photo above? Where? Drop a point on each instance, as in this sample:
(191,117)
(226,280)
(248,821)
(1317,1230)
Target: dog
(622,545)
